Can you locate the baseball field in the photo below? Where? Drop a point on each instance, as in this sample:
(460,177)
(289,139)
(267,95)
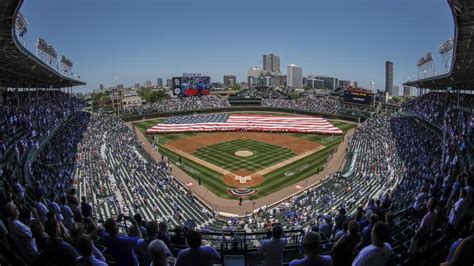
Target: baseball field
(246,164)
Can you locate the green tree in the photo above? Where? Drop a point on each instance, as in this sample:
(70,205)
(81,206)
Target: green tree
(236,87)
(157,95)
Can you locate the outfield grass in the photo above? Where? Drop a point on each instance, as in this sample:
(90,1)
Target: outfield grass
(222,155)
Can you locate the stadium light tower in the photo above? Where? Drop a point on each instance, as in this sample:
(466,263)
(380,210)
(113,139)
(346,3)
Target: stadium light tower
(47,53)
(425,66)
(446,52)
(66,64)
(21,27)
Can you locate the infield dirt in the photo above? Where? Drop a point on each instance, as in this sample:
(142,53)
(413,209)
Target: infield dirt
(295,144)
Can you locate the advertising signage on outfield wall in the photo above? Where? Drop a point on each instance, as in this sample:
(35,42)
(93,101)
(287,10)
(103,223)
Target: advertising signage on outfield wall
(359,97)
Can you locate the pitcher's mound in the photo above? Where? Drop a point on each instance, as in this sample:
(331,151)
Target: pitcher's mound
(243,153)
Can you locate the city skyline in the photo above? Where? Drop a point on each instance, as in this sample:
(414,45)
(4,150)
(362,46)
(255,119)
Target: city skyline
(103,45)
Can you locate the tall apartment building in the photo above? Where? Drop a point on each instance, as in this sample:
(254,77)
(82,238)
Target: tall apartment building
(294,76)
(388,76)
(271,63)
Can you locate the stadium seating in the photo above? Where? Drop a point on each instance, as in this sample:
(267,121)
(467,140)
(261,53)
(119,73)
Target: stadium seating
(400,163)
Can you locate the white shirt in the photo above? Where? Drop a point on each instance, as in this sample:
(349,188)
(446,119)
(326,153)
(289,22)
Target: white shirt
(372,255)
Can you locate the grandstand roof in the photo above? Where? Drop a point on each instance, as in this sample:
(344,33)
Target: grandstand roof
(18,66)
(462,69)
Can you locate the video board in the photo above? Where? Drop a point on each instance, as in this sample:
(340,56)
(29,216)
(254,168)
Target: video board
(191,85)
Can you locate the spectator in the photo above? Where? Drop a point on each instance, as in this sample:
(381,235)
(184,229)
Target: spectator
(56,250)
(343,250)
(272,249)
(86,208)
(158,252)
(367,231)
(458,210)
(152,233)
(41,208)
(456,243)
(463,254)
(178,238)
(67,213)
(54,207)
(379,252)
(163,234)
(133,230)
(197,255)
(21,234)
(426,227)
(87,257)
(311,246)
(121,247)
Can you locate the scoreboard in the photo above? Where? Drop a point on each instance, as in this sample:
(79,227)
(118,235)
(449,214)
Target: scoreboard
(191,85)
(359,97)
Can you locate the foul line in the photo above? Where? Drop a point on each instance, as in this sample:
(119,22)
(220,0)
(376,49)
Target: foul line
(226,172)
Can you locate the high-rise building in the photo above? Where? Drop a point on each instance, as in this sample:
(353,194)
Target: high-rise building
(137,85)
(406,91)
(253,76)
(271,63)
(230,80)
(294,76)
(120,87)
(395,91)
(280,80)
(314,83)
(101,87)
(159,82)
(329,82)
(354,84)
(147,84)
(169,83)
(388,76)
(344,83)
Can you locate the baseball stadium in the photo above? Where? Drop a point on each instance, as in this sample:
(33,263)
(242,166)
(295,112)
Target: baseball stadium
(258,173)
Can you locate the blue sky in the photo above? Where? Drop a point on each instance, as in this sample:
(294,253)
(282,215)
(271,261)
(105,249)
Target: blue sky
(139,40)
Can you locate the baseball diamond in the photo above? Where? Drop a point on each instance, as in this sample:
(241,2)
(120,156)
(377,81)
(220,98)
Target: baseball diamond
(255,162)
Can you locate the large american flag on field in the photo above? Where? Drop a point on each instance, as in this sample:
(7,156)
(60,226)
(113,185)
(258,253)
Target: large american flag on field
(245,122)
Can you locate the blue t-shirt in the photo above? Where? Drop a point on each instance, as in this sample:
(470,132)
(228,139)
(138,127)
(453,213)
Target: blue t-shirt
(272,251)
(319,261)
(203,256)
(452,249)
(122,249)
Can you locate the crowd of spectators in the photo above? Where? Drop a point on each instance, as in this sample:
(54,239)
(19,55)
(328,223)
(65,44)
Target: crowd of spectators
(128,201)
(115,171)
(263,92)
(27,117)
(311,104)
(429,106)
(178,105)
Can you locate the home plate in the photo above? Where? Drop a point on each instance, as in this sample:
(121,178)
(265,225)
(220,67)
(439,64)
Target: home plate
(189,184)
(299,187)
